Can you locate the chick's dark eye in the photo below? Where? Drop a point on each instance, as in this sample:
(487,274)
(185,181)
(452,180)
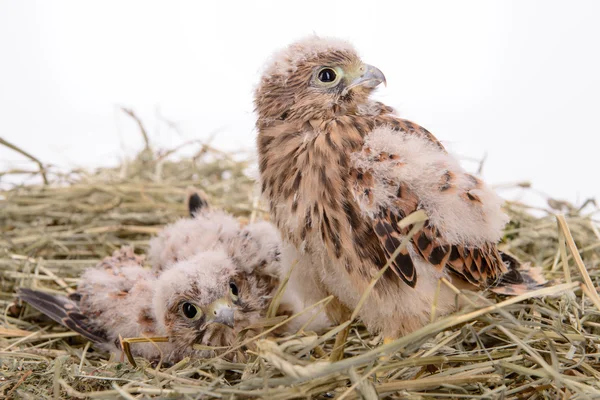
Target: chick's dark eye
(189,310)
(234,288)
(327,75)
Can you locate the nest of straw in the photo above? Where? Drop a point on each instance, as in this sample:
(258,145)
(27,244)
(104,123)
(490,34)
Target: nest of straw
(543,345)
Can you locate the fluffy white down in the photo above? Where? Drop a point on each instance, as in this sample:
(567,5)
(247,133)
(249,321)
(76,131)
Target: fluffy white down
(99,280)
(257,243)
(286,60)
(255,246)
(186,237)
(206,272)
(119,315)
(302,291)
(424,165)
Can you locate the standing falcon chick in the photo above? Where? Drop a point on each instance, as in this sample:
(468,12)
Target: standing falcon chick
(341,170)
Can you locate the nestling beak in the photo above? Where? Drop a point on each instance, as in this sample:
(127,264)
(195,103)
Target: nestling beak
(221,312)
(368,76)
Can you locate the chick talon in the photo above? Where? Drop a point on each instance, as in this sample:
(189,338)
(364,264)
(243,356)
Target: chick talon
(386,340)
(126,345)
(127,351)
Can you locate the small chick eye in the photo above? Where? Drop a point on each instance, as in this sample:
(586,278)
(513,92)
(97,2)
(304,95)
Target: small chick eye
(189,310)
(234,289)
(327,75)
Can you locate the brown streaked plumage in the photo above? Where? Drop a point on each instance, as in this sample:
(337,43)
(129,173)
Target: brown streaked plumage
(341,170)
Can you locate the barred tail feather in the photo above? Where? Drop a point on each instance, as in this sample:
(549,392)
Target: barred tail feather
(520,278)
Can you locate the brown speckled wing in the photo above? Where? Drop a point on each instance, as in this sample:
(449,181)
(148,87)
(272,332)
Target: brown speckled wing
(390,239)
(479,266)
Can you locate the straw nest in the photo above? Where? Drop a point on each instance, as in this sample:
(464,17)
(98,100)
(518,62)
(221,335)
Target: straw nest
(543,345)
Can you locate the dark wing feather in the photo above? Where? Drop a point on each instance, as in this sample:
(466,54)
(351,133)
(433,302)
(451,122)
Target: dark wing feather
(478,266)
(481,266)
(64,311)
(386,229)
(196,202)
(390,239)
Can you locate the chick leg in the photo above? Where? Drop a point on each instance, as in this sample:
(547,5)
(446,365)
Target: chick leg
(383,358)
(386,340)
(339,312)
(338,347)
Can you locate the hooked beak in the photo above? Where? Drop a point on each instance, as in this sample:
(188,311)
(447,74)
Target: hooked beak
(221,312)
(368,76)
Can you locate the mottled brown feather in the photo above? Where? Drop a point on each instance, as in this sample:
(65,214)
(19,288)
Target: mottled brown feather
(390,238)
(478,266)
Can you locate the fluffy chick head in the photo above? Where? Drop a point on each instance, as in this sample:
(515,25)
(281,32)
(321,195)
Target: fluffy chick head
(312,78)
(197,299)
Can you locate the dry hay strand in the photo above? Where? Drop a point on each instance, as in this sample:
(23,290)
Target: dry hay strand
(544,344)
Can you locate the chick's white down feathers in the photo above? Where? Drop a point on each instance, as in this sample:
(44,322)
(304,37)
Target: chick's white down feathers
(423,167)
(180,240)
(256,245)
(287,59)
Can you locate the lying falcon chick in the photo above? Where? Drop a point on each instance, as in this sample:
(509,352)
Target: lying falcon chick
(340,170)
(203,300)
(257,245)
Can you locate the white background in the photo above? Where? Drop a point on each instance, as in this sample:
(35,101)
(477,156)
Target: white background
(518,80)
